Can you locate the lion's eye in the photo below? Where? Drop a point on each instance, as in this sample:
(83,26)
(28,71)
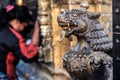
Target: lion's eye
(74,15)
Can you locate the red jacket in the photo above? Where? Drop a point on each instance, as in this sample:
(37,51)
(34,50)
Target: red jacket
(13,48)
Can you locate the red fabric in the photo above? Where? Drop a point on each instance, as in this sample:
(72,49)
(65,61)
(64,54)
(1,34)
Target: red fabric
(29,51)
(11,66)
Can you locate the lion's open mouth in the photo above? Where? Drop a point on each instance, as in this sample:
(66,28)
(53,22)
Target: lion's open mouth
(63,24)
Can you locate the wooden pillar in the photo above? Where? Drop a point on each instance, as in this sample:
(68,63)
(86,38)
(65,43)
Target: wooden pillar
(60,48)
(105,8)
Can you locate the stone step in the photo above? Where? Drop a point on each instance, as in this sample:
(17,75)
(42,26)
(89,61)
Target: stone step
(33,71)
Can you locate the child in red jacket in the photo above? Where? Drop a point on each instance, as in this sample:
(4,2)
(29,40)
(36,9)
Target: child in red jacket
(12,44)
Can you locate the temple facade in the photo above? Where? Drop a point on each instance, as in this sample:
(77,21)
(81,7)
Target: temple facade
(52,50)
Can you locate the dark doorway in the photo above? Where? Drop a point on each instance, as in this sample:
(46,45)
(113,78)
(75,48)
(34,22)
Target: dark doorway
(116,39)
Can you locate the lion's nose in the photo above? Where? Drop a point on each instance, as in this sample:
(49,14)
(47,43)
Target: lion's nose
(59,15)
(60,18)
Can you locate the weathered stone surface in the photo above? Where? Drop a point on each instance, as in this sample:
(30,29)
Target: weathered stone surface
(32,72)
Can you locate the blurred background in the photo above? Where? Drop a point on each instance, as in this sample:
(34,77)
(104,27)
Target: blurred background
(49,64)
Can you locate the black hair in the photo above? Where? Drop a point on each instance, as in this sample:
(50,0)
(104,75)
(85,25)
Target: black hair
(18,12)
